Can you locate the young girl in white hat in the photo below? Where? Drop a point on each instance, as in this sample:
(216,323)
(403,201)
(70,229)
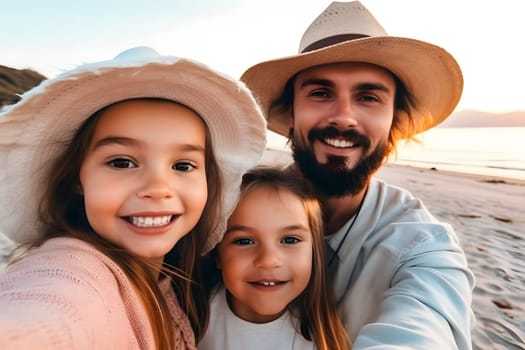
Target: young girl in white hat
(118,175)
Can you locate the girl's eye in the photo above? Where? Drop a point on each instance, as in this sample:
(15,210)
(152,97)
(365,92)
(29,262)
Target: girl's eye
(122,163)
(290,240)
(243,241)
(184,166)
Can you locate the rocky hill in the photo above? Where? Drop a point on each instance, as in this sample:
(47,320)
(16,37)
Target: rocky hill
(16,81)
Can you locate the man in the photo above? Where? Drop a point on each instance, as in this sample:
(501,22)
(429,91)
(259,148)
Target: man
(400,277)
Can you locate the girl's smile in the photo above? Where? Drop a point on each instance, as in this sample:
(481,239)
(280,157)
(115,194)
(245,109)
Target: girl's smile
(150,221)
(151,225)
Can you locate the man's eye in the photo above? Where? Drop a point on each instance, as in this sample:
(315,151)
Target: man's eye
(184,166)
(290,240)
(368,98)
(319,93)
(243,241)
(122,163)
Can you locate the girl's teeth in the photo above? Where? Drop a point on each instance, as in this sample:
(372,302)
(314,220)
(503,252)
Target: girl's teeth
(150,221)
(268,283)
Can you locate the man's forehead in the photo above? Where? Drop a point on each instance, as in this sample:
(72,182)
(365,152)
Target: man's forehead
(333,74)
(342,67)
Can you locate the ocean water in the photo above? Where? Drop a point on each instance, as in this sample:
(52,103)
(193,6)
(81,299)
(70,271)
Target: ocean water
(496,152)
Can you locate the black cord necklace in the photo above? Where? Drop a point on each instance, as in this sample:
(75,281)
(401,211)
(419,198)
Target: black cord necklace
(348,229)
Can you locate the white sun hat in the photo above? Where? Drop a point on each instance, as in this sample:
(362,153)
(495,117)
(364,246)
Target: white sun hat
(37,129)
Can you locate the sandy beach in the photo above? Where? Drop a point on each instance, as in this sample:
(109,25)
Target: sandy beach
(489,216)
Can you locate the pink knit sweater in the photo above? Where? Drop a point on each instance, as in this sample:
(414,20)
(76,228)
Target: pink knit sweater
(68,295)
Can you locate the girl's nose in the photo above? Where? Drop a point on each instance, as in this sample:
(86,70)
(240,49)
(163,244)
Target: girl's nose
(157,184)
(268,258)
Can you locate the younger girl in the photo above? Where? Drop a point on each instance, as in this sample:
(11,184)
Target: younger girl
(115,173)
(274,292)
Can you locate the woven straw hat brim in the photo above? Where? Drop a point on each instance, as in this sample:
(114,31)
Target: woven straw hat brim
(429,73)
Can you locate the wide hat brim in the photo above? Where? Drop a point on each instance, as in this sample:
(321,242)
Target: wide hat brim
(37,129)
(430,74)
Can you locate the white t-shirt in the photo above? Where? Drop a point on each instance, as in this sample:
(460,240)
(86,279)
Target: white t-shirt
(226,331)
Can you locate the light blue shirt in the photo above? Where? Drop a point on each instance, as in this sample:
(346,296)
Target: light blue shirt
(401,279)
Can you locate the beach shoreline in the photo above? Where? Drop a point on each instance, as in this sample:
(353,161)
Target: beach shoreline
(279,155)
(504,175)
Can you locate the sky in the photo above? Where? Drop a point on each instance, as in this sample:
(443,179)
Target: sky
(486,37)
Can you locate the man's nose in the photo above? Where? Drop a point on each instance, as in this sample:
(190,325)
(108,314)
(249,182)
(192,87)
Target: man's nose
(344,114)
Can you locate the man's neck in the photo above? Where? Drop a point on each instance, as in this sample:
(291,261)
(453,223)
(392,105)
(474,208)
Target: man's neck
(339,209)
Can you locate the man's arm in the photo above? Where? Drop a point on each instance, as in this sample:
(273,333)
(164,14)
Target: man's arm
(428,305)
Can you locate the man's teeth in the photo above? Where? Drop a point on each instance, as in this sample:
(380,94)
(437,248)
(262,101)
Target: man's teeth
(339,143)
(150,221)
(268,283)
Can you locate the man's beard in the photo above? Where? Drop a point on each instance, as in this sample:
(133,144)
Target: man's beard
(336,178)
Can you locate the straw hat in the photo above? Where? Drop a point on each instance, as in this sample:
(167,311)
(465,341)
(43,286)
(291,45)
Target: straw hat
(34,131)
(348,32)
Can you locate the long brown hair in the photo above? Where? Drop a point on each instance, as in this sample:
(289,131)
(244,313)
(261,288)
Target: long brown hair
(315,306)
(63,214)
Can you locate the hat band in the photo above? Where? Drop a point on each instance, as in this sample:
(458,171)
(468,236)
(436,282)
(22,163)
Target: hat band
(332,40)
